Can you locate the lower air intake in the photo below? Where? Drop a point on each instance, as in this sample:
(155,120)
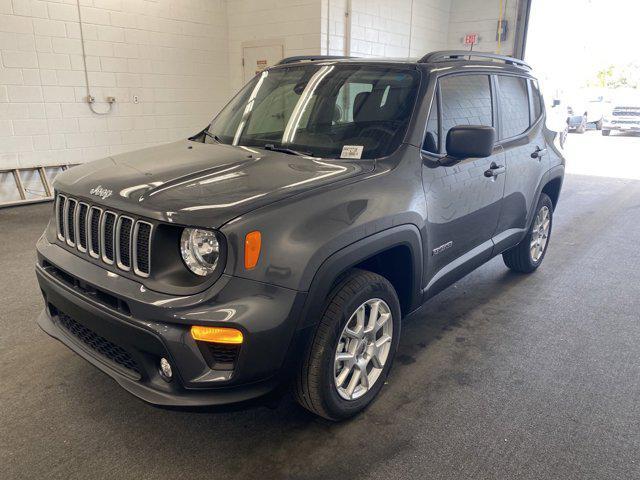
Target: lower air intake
(99,344)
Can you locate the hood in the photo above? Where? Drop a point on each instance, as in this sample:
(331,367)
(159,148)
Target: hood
(200,184)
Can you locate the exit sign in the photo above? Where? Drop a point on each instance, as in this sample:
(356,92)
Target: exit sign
(471,39)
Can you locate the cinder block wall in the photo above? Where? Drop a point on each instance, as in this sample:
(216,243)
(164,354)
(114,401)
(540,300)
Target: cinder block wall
(296,23)
(386,28)
(171,54)
(481,17)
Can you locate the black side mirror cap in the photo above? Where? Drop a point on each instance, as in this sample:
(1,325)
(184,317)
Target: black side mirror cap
(465,141)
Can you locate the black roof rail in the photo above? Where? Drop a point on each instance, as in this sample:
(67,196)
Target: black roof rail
(444,55)
(310,58)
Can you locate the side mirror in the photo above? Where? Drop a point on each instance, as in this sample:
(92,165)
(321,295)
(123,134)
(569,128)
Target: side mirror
(465,141)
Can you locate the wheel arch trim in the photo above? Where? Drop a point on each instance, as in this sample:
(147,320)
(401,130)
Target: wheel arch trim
(332,267)
(554,174)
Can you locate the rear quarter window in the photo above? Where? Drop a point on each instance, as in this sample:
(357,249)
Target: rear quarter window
(536,101)
(513,103)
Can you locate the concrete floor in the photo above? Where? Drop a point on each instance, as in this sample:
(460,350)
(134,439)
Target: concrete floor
(500,376)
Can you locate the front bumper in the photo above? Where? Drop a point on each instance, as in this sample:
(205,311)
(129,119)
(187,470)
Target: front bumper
(622,125)
(124,329)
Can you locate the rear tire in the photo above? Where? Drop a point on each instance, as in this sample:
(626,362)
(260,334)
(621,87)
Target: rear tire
(321,385)
(605,133)
(528,255)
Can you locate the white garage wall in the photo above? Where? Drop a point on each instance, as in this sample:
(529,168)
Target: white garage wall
(387,28)
(430,26)
(294,22)
(171,53)
(481,17)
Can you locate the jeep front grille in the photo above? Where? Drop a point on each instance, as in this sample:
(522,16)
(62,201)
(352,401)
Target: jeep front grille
(626,112)
(105,235)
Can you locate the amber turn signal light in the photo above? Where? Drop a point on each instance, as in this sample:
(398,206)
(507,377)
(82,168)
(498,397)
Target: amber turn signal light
(217,334)
(252,244)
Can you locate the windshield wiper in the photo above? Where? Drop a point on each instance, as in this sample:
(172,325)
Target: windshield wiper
(211,135)
(272,147)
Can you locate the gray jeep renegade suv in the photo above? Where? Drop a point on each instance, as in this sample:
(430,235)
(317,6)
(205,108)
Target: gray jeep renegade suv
(282,245)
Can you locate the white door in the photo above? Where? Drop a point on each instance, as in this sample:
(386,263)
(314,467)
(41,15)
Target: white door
(258,58)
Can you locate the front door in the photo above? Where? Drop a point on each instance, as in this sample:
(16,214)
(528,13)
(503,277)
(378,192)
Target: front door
(463,200)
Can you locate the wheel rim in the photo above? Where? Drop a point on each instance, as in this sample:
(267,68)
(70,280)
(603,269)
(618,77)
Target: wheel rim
(363,349)
(540,233)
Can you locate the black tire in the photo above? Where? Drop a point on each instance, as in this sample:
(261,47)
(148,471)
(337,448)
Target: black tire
(519,258)
(315,387)
(605,133)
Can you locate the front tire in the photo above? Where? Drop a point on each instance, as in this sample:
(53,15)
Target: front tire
(353,348)
(527,256)
(606,133)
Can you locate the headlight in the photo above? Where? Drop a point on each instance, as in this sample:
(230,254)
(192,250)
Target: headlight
(200,250)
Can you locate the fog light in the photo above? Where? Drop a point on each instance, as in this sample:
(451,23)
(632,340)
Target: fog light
(165,369)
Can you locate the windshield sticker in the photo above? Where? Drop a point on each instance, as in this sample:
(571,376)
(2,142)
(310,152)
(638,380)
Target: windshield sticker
(351,151)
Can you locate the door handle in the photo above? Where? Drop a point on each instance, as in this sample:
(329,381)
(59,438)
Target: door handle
(494,170)
(539,152)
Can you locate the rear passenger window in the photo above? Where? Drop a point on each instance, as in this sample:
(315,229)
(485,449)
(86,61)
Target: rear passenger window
(513,101)
(466,100)
(536,101)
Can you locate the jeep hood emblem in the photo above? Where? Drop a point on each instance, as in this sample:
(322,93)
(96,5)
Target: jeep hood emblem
(101,192)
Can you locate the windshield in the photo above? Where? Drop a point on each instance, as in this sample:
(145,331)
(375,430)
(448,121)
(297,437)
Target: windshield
(320,109)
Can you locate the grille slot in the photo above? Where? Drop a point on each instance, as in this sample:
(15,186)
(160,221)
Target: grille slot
(123,242)
(60,201)
(81,226)
(105,235)
(94,231)
(69,221)
(141,248)
(99,344)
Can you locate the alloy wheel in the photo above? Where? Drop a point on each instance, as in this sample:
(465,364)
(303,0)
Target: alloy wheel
(540,233)
(363,349)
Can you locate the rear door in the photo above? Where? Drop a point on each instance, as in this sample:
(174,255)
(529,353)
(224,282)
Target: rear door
(521,123)
(463,202)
